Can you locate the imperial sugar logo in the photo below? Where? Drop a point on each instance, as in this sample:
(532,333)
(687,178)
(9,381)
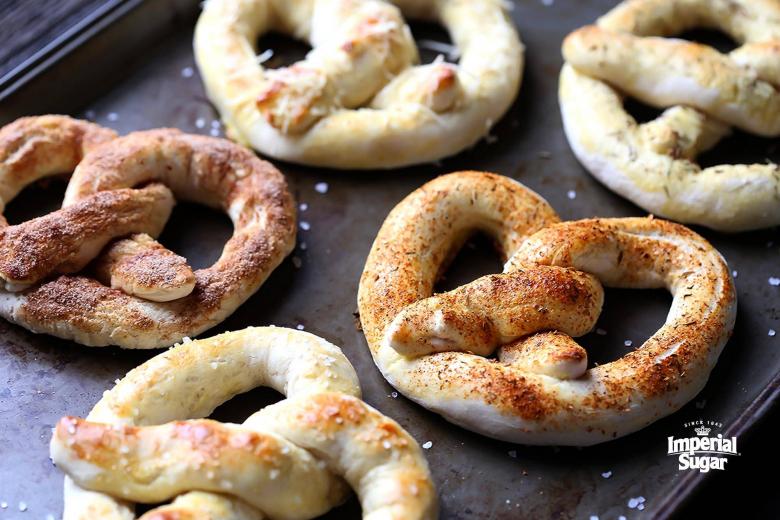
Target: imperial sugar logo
(703,450)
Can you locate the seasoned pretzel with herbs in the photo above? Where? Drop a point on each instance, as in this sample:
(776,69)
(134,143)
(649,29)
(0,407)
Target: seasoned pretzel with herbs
(124,189)
(538,390)
(653,164)
(359,99)
(142,442)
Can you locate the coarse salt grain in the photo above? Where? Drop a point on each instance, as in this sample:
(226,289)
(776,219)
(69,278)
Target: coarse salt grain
(321,187)
(774,281)
(594,517)
(394,395)
(601,332)
(606,474)
(734,273)
(427,445)
(305,225)
(187,72)
(112,116)
(628,343)
(571,194)
(303,206)
(771,333)
(4,505)
(214,132)
(200,123)
(22,506)
(299,326)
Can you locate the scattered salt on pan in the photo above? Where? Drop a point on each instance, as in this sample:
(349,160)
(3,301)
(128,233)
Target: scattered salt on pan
(548,3)
(112,116)
(303,246)
(200,123)
(22,506)
(774,281)
(215,123)
(303,206)
(571,194)
(50,517)
(299,326)
(734,273)
(116,381)
(187,72)
(214,132)
(427,445)
(321,187)
(4,505)
(305,225)
(594,517)
(90,114)
(771,333)
(628,343)
(394,395)
(513,453)
(601,332)
(621,517)
(186,339)
(632,503)
(606,474)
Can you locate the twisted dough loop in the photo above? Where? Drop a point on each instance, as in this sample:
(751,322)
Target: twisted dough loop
(652,164)
(155,299)
(282,461)
(538,391)
(357,101)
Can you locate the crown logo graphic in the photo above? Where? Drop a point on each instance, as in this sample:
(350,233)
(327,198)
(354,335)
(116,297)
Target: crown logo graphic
(702,431)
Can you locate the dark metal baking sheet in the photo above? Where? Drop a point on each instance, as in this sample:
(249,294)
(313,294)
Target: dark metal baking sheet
(131,70)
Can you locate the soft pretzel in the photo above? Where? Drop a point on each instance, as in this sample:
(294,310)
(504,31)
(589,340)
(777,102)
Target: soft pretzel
(359,100)
(653,164)
(434,349)
(141,442)
(151,297)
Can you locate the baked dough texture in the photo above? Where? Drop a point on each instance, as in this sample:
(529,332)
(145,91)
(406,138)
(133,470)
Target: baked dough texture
(704,94)
(296,459)
(359,99)
(538,389)
(118,198)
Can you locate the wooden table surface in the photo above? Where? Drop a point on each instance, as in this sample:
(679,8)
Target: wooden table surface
(26,26)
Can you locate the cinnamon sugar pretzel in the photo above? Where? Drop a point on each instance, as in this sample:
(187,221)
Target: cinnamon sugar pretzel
(142,442)
(653,164)
(149,296)
(538,390)
(359,99)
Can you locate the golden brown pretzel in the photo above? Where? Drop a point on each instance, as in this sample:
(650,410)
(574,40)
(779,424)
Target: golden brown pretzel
(101,203)
(434,349)
(283,461)
(703,93)
(359,99)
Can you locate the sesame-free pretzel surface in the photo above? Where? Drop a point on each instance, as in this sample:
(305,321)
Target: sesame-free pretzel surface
(143,441)
(538,389)
(123,188)
(359,99)
(705,94)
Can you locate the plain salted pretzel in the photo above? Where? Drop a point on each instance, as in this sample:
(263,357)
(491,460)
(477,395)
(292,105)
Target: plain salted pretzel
(144,441)
(705,94)
(537,389)
(359,99)
(142,295)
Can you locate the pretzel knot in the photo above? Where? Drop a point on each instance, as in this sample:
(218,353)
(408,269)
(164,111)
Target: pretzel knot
(653,164)
(119,198)
(538,390)
(359,99)
(140,442)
